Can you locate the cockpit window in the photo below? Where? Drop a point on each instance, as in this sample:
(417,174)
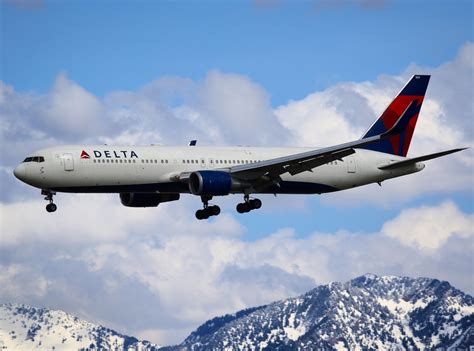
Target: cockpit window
(34,159)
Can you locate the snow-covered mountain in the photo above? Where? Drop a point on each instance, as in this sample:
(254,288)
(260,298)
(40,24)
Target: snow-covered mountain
(28,328)
(366,313)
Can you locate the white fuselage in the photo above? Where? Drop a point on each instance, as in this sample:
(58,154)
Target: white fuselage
(118,169)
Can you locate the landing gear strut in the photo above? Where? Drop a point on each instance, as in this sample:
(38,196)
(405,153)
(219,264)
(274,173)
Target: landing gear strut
(248,205)
(207,211)
(51,207)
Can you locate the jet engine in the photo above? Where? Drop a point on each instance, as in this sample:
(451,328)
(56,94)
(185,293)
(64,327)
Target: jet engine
(212,183)
(146,199)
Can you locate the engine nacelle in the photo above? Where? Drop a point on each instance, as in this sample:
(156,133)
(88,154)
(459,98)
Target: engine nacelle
(146,199)
(212,183)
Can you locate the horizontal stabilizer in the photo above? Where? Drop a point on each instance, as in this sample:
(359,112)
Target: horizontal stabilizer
(412,161)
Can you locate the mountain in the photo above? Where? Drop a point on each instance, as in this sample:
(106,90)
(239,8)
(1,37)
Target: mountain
(28,328)
(366,313)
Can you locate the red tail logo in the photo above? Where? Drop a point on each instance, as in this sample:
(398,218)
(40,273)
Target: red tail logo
(84,155)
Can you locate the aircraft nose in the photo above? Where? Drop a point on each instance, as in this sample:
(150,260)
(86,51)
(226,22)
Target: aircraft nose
(20,171)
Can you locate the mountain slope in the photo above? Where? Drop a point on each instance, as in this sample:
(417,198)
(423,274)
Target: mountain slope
(366,313)
(28,328)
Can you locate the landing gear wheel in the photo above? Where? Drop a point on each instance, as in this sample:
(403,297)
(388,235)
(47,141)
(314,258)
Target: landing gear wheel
(51,207)
(202,214)
(255,203)
(243,207)
(215,210)
(207,211)
(248,205)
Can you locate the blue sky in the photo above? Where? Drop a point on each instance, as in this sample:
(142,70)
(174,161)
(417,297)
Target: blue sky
(269,73)
(290,48)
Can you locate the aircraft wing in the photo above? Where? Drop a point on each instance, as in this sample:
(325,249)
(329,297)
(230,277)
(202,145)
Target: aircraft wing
(296,163)
(270,170)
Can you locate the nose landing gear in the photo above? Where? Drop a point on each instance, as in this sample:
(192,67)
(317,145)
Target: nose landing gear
(51,207)
(248,205)
(207,211)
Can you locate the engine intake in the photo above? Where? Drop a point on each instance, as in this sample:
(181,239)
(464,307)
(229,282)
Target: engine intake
(212,183)
(146,199)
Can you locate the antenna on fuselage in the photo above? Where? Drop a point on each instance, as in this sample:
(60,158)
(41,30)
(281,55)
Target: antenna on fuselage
(192,143)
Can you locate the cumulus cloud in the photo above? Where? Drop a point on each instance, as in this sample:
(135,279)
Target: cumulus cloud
(428,228)
(174,272)
(188,271)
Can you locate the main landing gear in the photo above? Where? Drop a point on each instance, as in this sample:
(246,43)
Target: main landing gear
(51,207)
(248,205)
(207,211)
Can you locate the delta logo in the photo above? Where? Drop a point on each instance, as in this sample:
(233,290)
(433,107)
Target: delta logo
(85,155)
(109,154)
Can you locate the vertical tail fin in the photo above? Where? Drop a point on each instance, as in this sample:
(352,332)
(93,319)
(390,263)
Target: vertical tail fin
(414,91)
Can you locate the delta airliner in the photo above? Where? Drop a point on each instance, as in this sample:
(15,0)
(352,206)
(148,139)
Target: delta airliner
(146,176)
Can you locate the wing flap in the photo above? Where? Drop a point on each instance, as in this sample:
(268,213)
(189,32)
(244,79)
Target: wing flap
(308,165)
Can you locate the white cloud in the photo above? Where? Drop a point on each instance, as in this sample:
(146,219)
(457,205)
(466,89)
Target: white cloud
(71,110)
(190,270)
(428,228)
(316,121)
(20,282)
(175,272)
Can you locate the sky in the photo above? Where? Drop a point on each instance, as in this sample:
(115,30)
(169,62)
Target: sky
(263,73)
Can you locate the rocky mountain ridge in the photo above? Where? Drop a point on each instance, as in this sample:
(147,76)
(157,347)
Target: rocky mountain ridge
(366,313)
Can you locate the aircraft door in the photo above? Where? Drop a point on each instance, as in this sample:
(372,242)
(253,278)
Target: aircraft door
(351,164)
(68,162)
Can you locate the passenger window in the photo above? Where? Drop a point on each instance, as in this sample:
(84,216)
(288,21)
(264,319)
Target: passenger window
(166,161)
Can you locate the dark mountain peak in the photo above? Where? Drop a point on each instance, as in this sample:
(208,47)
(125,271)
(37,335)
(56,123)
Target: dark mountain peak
(369,312)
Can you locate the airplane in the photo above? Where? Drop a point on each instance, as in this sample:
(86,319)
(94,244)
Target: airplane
(145,176)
